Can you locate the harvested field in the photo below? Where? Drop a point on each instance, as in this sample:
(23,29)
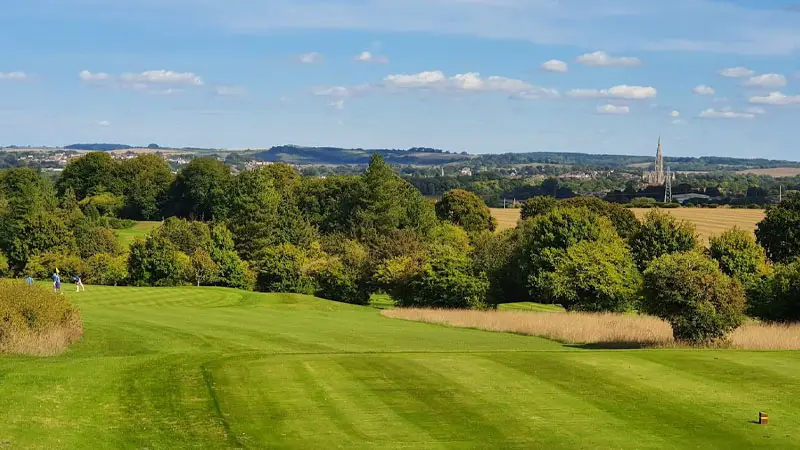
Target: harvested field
(708,221)
(601,330)
(774,172)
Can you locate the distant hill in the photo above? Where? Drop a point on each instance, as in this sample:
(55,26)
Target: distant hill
(342,156)
(98,147)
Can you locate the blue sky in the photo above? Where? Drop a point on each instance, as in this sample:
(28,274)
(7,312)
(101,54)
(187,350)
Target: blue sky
(483,76)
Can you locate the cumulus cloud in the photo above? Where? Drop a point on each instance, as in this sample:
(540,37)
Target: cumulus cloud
(704,90)
(555,65)
(14,76)
(622,91)
(162,77)
(310,58)
(776,98)
(768,80)
(613,109)
(675,114)
(603,59)
(712,113)
(90,77)
(736,72)
(467,82)
(369,57)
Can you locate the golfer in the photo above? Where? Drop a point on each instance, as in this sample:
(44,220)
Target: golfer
(78,284)
(56,282)
(29,281)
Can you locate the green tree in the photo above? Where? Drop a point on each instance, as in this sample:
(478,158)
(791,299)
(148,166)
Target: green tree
(776,296)
(328,203)
(91,174)
(106,269)
(466,210)
(689,291)
(202,189)
(623,219)
(105,203)
(779,232)
(593,276)
(91,241)
(253,215)
(492,255)
(738,254)
(147,180)
(346,275)
(204,269)
(186,236)
(154,261)
(661,234)
(536,206)
(284,268)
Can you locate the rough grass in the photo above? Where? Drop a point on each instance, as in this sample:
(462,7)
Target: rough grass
(213,368)
(709,221)
(601,330)
(36,321)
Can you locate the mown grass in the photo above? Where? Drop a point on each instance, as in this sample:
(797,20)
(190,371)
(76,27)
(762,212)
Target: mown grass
(709,221)
(176,368)
(141,229)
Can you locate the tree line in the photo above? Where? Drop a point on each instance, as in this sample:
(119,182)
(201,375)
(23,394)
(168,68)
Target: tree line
(345,238)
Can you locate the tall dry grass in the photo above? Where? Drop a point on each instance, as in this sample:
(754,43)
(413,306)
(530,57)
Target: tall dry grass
(599,330)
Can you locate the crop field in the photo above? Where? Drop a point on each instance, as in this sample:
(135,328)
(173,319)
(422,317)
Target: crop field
(141,229)
(174,368)
(708,221)
(774,172)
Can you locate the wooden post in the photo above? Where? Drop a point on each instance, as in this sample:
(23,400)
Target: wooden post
(763,418)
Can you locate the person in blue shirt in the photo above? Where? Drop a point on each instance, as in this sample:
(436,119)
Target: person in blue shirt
(78,284)
(56,282)
(29,281)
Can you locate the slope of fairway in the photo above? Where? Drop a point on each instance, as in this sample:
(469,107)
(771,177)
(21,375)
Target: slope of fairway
(218,368)
(141,229)
(709,221)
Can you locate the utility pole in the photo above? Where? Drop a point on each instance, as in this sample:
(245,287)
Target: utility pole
(780,193)
(668,187)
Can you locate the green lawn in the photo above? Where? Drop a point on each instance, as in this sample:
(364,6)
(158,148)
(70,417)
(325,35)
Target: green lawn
(218,368)
(141,229)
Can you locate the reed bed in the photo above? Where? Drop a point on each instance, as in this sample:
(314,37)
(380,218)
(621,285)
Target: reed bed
(599,330)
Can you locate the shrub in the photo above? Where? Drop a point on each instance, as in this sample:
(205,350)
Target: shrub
(284,268)
(346,275)
(594,277)
(106,204)
(35,320)
(776,297)
(156,262)
(779,232)
(203,269)
(466,210)
(689,291)
(738,254)
(42,266)
(120,224)
(106,269)
(186,236)
(93,240)
(233,272)
(661,234)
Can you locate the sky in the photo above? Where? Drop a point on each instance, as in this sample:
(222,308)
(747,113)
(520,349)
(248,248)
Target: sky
(712,77)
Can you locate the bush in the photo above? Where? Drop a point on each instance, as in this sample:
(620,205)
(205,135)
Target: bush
(284,268)
(492,257)
(594,277)
(466,210)
(203,269)
(156,262)
(233,272)
(776,297)
(779,232)
(94,240)
(35,320)
(346,276)
(661,234)
(105,269)
(120,224)
(43,266)
(738,254)
(689,291)
(106,204)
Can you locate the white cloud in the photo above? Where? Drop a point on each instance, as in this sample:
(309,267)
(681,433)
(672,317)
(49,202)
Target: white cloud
(736,72)
(622,91)
(335,91)
(104,123)
(468,82)
(337,104)
(162,77)
(756,110)
(675,114)
(422,79)
(368,57)
(555,65)
(603,59)
(14,76)
(613,109)
(90,77)
(768,80)
(704,90)
(712,113)
(229,91)
(776,98)
(679,122)
(310,58)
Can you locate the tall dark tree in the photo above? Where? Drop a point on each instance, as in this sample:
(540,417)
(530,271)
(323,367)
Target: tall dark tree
(147,181)
(661,234)
(779,232)
(202,189)
(466,210)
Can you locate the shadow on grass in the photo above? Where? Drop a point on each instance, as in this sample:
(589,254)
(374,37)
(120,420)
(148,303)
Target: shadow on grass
(616,345)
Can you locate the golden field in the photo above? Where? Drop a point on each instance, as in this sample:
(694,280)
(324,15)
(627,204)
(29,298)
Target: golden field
(774,172)
(600,330)
(707,220)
